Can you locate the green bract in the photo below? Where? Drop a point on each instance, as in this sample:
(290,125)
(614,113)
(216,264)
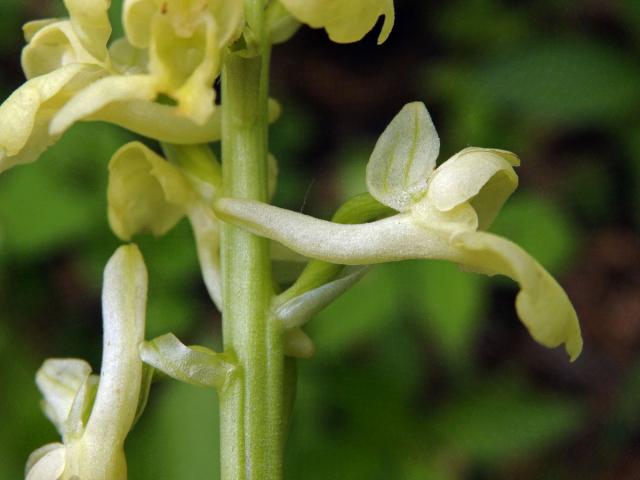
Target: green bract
(345,21)
(94,415)
(441,215)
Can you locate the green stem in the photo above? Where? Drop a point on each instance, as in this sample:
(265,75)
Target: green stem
(251,408)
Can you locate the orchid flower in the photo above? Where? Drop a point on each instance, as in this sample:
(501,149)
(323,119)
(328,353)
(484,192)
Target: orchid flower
(442,213)
(173,50)
(94,414)
(345,21)
(146,193)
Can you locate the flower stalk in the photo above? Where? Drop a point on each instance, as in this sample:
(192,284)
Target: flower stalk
(251,406)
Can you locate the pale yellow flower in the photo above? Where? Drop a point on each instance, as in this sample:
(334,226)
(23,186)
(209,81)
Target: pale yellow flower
(94,414)
(175,51)
(442,213)
(148,194)
(345,21)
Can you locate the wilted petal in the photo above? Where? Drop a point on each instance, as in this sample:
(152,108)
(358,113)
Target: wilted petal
(403,158)
(90,101)
(46,463)
(145,192)
(59,381)
(542,304)
(483,177)
(345,20)
(26,114)
(195,365)
(52,45)
(90,19)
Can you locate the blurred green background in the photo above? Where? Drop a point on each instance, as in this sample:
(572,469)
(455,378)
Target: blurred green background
(422,372)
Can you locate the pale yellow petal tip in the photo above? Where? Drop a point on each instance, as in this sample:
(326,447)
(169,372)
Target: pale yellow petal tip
(573,346)
(128,254)
(46,463)
(387,26)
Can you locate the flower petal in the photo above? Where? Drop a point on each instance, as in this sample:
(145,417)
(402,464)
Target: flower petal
(195,365)
(73,426)
(145,192)
(90,19)
(542,304)
(229,18)
(46,463)
(485,177)
(59,380)
(124,297)
(346,21)
(394,238)
(25,115)
(136,18)
(95,97)
(127,59)
(206,229)
(161,122)
(52,45)
(403,158)
(186,67)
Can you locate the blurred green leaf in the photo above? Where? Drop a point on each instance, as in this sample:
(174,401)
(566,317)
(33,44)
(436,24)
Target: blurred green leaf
(540,227)
(10,33)
(352,164)
(24,425)
(502,419)
(115,15)
(591,191)
(61,199)
(177,437)
(458,23)
(364,426)
(350,320)
(449,304)
(563,81)
(38,213)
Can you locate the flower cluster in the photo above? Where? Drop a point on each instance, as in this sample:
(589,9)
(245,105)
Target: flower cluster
(172,50)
